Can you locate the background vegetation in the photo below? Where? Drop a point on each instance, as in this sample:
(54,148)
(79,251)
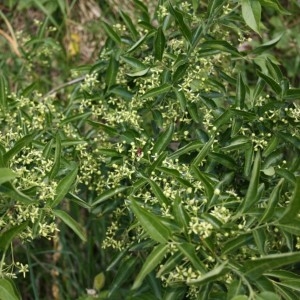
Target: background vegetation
(149,150)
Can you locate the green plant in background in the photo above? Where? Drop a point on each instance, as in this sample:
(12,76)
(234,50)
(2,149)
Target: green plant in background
(184,151)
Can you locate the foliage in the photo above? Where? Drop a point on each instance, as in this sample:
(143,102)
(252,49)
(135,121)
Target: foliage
(176,157)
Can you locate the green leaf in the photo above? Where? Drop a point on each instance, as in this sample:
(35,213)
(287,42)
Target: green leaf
(271,82)
(292,94)
(203,152)
(275,4)
(99,281)
(267,296)
(133,62)
(238,143)
(3,92)
(111,73)
(240,92)
(163,140)
(111,33)
(224,160)
(151,223)
(6,175)
(272,203)
(294,205)
(125,271)
(214,6)
(222,46)
(15,194)
(8,290)
(79,117)
(208,185)
(140,41)
(292,284)
(152,261)
(18,146)
(179,73)
(164,88)
(252,192)
(64,186)
(251,11)
(210,276)
(129,24)
(178,16)
(139,73)
(236,243)
(188,250)
(107,129)
(291,227)
(7,236)
(159,44)
(173,261)
(190,147)
(69,221)
(158,161)
(157,191)
(258,89)
(240,297)
(253,269)
(109,194)
(181,98)
(56,164)
(268,45)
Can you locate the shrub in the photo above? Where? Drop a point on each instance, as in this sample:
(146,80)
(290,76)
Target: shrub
(185,148)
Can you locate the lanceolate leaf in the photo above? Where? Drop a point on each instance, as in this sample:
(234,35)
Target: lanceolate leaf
(163,140)
(251,11)
(3,97)
(64,186)
(255,268)
(251,195)
(127,20)
(159,44)
(240,92)
(203,152)
(271,82)
(152,261)
(69,221)
(164,88)
(294,205)
(111,72)
(111,33)
(210,276)
(55,168)
(109,194)
(188,250)
(151,223)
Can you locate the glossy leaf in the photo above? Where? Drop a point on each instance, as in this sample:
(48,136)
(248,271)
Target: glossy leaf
(255,268)
(294,205)
(158,192)
(151,262)
(271,82)
(164,140)
(267,296)
(210,276)
(151,223)
(236,243)
(208,185)
(240,92)
(275,4)
(292,94)
(70,222)
(64,186)
(159,44)
(111,73)
(185,30)
(272,203)
(251,195)
(203,152)
(222,46)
